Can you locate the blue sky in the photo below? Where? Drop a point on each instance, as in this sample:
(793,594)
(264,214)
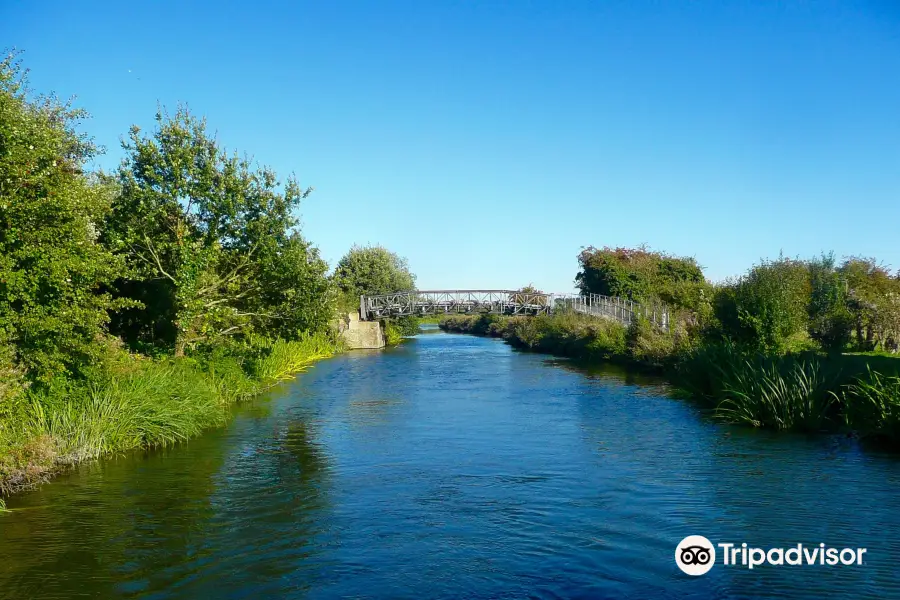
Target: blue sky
(488,142)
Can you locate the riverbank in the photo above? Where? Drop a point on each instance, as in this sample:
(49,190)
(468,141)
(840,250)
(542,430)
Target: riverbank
(136,402)
(804,391)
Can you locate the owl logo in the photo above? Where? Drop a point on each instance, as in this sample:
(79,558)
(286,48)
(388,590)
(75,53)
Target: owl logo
(695,555)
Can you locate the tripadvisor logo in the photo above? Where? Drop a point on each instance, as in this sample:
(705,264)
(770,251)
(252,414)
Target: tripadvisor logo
(696,555)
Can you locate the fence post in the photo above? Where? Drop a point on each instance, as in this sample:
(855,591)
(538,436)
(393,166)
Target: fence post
(362,308)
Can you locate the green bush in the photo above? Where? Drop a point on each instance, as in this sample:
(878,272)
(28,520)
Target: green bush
(637,274)
(569,334)
(767,309)
(830,318)
(650,345)
(408,325)
(392,334)
(478,324)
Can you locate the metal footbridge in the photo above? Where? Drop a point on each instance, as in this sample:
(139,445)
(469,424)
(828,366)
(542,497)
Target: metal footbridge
(507,302)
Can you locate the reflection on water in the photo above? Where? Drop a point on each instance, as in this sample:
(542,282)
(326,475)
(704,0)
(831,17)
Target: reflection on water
(452,467)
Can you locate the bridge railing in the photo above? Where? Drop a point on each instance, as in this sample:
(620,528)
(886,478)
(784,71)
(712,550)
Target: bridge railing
(515,302)
(425,302)
(623,310)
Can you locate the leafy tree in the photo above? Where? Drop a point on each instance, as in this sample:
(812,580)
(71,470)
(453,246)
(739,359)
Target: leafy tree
(372,270)
(886,321)
(637,274)
(52,269)
(208,233)
(294,290)
(872,292)
(375,270)
(768,307)
(830,319)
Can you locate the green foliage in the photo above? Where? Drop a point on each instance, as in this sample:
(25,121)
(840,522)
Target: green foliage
(700,372)
(213,238)
(135,402)
(158,404)
(651,346)
(294,294)
(873,406)
(767,309)
(874,302)
(396,329)
(640,274)
(371,270)
(392,334)
(282,359)
(52,270)
(12,379)
(185,248)
(408,325)
(830,319)
(794,396)
(565,334)
(792,392)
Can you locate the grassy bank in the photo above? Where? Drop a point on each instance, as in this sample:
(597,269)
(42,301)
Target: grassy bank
(800,391)
(133,402)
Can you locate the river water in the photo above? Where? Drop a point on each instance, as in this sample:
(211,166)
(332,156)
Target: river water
(454,467)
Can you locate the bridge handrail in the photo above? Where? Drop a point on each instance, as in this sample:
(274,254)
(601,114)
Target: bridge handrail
(410,302)
(621,309)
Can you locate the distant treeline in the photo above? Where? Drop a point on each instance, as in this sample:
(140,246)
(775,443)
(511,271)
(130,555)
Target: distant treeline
(777,306)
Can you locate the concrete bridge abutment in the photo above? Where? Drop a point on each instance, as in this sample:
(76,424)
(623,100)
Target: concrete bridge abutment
(359,334)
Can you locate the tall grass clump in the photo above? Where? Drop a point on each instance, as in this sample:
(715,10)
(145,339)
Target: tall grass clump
(792,392)
(157,404)
(281,359)
(793,396)
(135,402)
(872,407)
(704,371)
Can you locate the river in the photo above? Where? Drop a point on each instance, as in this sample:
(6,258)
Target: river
(455,467)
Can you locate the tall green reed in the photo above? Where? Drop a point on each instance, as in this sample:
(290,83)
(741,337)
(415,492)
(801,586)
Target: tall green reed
(872,406)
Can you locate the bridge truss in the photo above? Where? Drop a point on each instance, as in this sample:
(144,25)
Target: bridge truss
(431,302)
(509,302)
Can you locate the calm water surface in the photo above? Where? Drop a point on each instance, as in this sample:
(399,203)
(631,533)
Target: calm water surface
(453,467)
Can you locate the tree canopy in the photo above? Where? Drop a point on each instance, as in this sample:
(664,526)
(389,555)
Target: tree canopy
(54,274)
(212,240)
(635,273)
(372,270)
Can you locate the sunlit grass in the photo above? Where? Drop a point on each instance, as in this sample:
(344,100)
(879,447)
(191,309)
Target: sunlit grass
(139,403)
